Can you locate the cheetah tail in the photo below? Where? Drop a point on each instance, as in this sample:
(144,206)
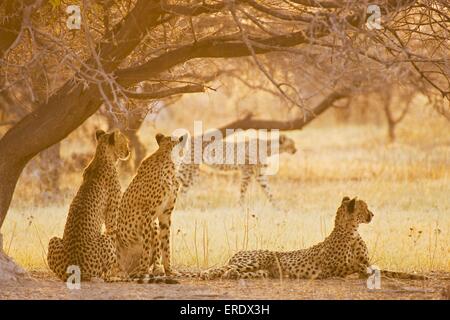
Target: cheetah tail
(209,274)
(147,278)
(214,273)
(187,274)
(402,275)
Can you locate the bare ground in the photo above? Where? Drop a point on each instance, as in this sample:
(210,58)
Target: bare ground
(45,286)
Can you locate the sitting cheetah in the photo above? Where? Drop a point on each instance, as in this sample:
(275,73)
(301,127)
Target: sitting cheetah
(146,208)
(189,171)
(342,253)
(96,203)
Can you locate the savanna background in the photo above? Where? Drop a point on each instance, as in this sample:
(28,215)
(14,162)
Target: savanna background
(382,136)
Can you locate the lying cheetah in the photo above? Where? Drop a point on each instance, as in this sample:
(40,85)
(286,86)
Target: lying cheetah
(190,171)
(146,208)
(342,253)
(96,203)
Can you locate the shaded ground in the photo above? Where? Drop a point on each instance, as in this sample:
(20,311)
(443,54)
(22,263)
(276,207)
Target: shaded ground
(45,286)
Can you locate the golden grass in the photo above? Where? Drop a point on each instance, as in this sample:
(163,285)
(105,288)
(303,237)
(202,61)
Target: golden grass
(406,184)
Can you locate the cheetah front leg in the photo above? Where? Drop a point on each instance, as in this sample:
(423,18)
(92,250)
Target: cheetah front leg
(112,214)
(360,258)
(109,254)
(110,264)
(164,224)
(155,256)
(362,265)
(57,258)
(146,256)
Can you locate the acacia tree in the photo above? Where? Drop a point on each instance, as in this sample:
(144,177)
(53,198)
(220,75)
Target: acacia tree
(136,50)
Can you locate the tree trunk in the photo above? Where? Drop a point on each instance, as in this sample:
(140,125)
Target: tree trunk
(38,131)
(138,147)
(135,120)
(49,166)
(130,127)
(389,116)
(391,120)
(70,106)
(391,131)
(391,124)
(9,270)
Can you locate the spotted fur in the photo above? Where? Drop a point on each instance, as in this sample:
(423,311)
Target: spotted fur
(96,204)
(143,237)
(249,168)
(342,253)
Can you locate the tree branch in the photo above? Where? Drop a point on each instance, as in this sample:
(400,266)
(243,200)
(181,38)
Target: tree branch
(319,4)
(296,124)
(164,93)
(193,10)
(216,47)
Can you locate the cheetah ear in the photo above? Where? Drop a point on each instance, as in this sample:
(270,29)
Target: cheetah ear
(345,199)
(351,205)
(112,138)
(159,137)
(99,133)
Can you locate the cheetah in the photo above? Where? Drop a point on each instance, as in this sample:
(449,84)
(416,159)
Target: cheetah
(342,253)
(189,171)
(96,204)
(143,233)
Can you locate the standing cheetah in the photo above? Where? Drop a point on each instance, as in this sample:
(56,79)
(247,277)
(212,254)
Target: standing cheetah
(342,253)
(189,171)
(96,203)
(146,208)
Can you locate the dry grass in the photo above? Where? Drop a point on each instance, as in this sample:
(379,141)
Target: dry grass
(406,184)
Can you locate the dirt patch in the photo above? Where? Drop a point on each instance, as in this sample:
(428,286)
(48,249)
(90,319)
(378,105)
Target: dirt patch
(46,286)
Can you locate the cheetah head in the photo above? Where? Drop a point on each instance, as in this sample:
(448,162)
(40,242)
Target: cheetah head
(287,145)
(175,145)
(115,143)
(353,212)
